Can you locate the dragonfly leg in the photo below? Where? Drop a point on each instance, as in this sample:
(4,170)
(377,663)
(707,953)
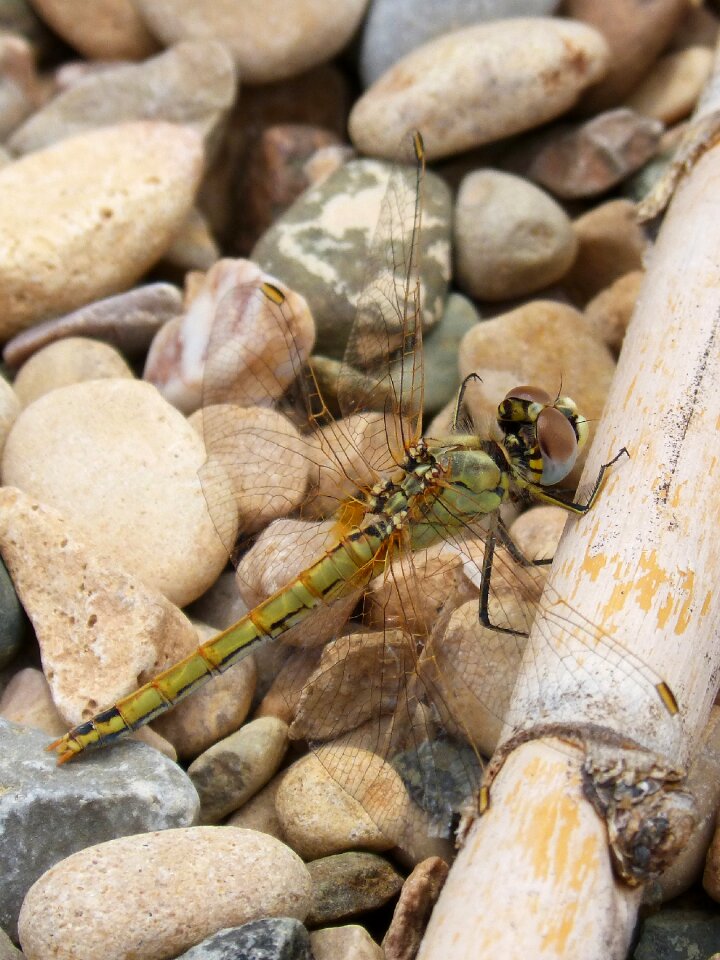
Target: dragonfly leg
(503,535)
(483,604)
(461,397)
(539,493)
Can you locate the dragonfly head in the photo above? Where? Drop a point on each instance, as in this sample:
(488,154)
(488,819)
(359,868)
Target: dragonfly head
(542,436)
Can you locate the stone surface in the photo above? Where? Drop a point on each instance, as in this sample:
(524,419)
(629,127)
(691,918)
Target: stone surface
(122,466)
(302,35)
(678,934)
(351,942)
(178,887)
(103,232)
(19,87)
(610,310)
(636,32)
(276,938)
(9,410)
(192,84)
(440,348)
(27,700)
(395,27)
(349,884)
(418,896)
(611,244)
(594,156)
(49,812)
(352,218)
(12,619)
(259,812)
(479,84)
(8,951)
(234,769)
(511,238)
(71,360)
(101,631)
(102,29)
(671,89)
(194,247)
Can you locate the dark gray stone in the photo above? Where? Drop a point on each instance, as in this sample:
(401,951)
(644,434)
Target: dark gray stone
(678,934)
(48,812)
(348,884)
(441,345)
(13,623)
(277,938)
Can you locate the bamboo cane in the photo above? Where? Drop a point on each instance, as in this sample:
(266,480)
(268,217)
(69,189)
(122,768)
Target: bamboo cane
(535,878)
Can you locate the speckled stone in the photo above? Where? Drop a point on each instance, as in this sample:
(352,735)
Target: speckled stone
(351,942)
(349,884)
(100,29)
(275,938)
(336,237)
(417,898)
(71,360)
(178,887)
(479,84)
(192,84)
(678,934)
(126,790)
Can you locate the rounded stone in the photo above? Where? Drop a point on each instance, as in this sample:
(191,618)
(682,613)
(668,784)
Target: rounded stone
(611,310)
(395,27)
(73,360)
(178,887)
(270,40)
(348,884)
(479,84)
(100,29)
(67,238)
(122,465)
(12,619)
(27,700)
(10,407)
(511,238)
(671,89)
(19,87)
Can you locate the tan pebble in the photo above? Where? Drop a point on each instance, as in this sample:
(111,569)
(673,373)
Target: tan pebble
(9,409)
(671,89)
(154,740)
(700,27)
(221,605)
(479,84)
(348,884)
(72,360)
(537,531)
(104,232)
(636,32)
(101,631)
(233,345)
(549,345)
(279,554)
(100,29)
(283,694)
(351,942)
(192,84)
(212,712)
(259,812)
(27,699)
(178,887)
(122,466)
(612,243)
(331,801)
(611,310)
(19,87)
(417,898)
(269,42)
(511,238)
(231,771)
(194,247)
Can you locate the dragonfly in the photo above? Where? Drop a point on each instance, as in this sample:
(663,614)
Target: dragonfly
(379,503)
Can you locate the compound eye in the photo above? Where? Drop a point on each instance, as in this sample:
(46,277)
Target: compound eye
(558,445)
(532,394)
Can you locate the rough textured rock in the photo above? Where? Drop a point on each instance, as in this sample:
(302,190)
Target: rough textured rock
(417,898)
(349,884)
(352,942)
(276,938)
(49,812)
(71,360)
(104,232)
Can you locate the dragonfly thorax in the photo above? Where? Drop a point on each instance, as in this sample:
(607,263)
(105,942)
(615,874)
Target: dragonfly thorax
(542,437)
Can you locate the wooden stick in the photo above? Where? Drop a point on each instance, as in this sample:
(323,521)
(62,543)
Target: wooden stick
(535,878)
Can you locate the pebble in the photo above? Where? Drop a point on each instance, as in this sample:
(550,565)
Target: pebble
(283,694)
(121,465)
(19,87)
(596,155)
(71,360)
(418,896)
(100,630)
(269,42)
(103,232)
(231,771)
(10,407)
(221,605)
(678,934)
(699,27)
(349,884)
(671,89)
(259,812)
(127,321)
(100,29)
(511,238)
(192,84)
(12,619)
(479,84)
(395,27)
(537,531)
(50,812)
(351,942)
(610,311)
(274,938)
(636,32)
(191,367)
(27,700)
(330,802)
(8,951)
(611,244)
(178,887)
(335,240)
(440,347)
(194,247)
(212,712)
